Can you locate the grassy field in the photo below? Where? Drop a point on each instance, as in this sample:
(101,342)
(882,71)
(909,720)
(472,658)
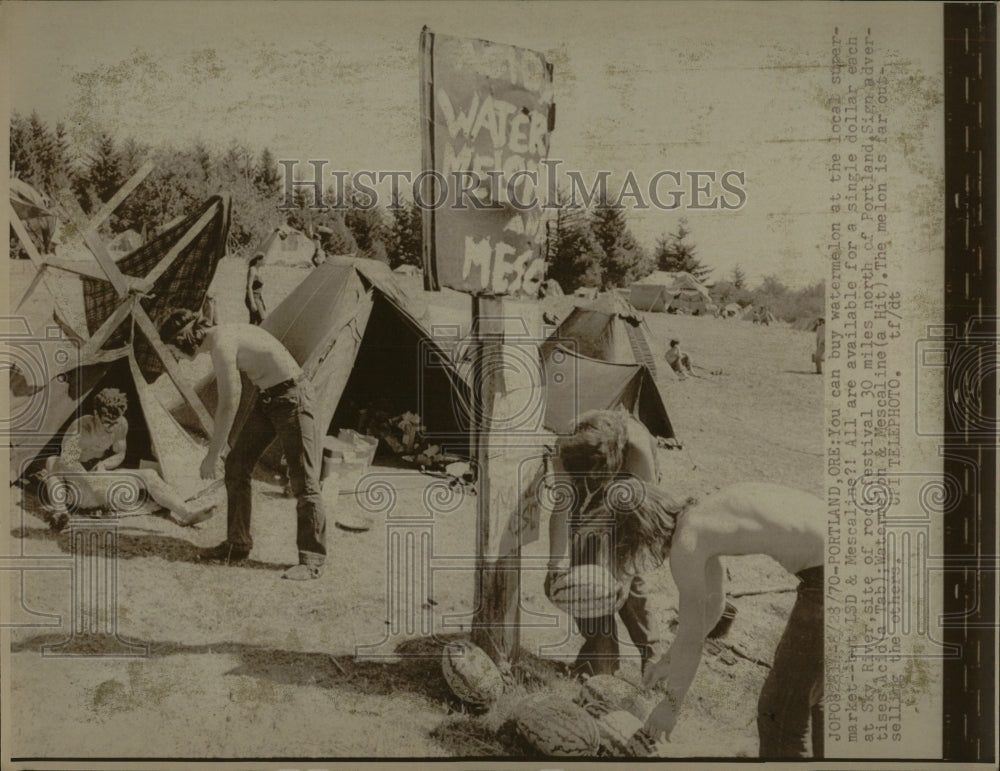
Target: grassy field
(240,664)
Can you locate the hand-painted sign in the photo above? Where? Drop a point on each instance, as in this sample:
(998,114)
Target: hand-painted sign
(486,114)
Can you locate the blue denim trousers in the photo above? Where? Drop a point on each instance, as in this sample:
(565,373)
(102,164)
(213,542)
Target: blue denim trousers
(791,699)
(289,416)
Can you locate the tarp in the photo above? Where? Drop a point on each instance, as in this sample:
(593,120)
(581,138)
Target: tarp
(153,434)
(45,407)
(182,285)
(600,358)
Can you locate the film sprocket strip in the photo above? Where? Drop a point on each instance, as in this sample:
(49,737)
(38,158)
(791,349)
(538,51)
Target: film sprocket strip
(969,700)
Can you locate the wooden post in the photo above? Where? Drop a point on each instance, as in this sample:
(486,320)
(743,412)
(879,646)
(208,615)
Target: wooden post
(495,624)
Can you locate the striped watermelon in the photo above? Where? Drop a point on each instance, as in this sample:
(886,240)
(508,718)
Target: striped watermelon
(558,728)
(471,674)
(617,729)
(587,591)
(641,745)
(601,694)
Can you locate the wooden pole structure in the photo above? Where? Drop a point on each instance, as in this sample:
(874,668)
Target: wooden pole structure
(496,619)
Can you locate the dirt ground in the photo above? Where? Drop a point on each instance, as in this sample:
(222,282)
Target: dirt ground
(233,662)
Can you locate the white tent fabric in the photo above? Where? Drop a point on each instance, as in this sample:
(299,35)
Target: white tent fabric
(287,246)
(662,290)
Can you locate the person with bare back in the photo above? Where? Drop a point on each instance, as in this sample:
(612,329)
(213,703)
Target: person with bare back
(282,408)
(748,518)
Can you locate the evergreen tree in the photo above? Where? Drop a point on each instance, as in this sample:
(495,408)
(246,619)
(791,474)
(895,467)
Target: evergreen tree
(738,277)
(266,176)
(572,251)
(675,253)
(404,242)
(369,231)
(105,172)
(622,259)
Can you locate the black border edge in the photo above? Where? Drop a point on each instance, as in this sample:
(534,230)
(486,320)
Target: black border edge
(969,548)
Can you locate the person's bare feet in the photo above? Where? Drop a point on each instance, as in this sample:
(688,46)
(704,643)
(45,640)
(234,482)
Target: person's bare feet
(195,517)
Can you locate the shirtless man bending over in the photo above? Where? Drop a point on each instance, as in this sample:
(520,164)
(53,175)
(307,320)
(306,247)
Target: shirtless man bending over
(83,457)
(282,408)
(749,518)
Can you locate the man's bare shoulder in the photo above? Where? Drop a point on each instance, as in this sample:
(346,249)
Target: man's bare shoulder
(755,518)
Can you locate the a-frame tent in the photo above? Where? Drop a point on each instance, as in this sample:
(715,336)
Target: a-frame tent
(576,384)
(663,290)
(608,329)
(360,338)
(600,357)
(287,246)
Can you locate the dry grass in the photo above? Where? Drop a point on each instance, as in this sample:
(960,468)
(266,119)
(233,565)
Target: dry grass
(239,661)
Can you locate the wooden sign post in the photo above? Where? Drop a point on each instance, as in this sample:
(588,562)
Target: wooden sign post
(495,624)
(487,106)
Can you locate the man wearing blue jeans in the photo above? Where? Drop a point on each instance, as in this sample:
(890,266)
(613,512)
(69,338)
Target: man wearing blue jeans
(282,408)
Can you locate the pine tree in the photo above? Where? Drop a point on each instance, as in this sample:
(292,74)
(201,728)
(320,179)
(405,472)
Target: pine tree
(738,277)
(404,242)
(105,171)
(266,176)
(674,253)
(369,231)
(623,260)
(572,252)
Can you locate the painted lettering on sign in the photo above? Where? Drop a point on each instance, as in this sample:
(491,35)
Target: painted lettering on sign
(487,131)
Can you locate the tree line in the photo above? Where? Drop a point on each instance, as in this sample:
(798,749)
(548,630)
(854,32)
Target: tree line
(586,246)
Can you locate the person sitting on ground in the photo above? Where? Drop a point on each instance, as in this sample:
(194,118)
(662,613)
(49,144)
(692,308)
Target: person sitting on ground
(282,408)
(743,519)
(254,299)
(678,360)
(94,445)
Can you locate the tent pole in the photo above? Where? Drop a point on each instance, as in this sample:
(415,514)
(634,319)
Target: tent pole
(93,242)
(33,255)
(495,623)
(153,338)
(123,192)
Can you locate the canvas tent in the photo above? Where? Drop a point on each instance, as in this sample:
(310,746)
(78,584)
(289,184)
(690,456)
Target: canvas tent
(577,383)
(608,329)
(360,338)
(287,246)
(663,291)
(173,270)
(600,358)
